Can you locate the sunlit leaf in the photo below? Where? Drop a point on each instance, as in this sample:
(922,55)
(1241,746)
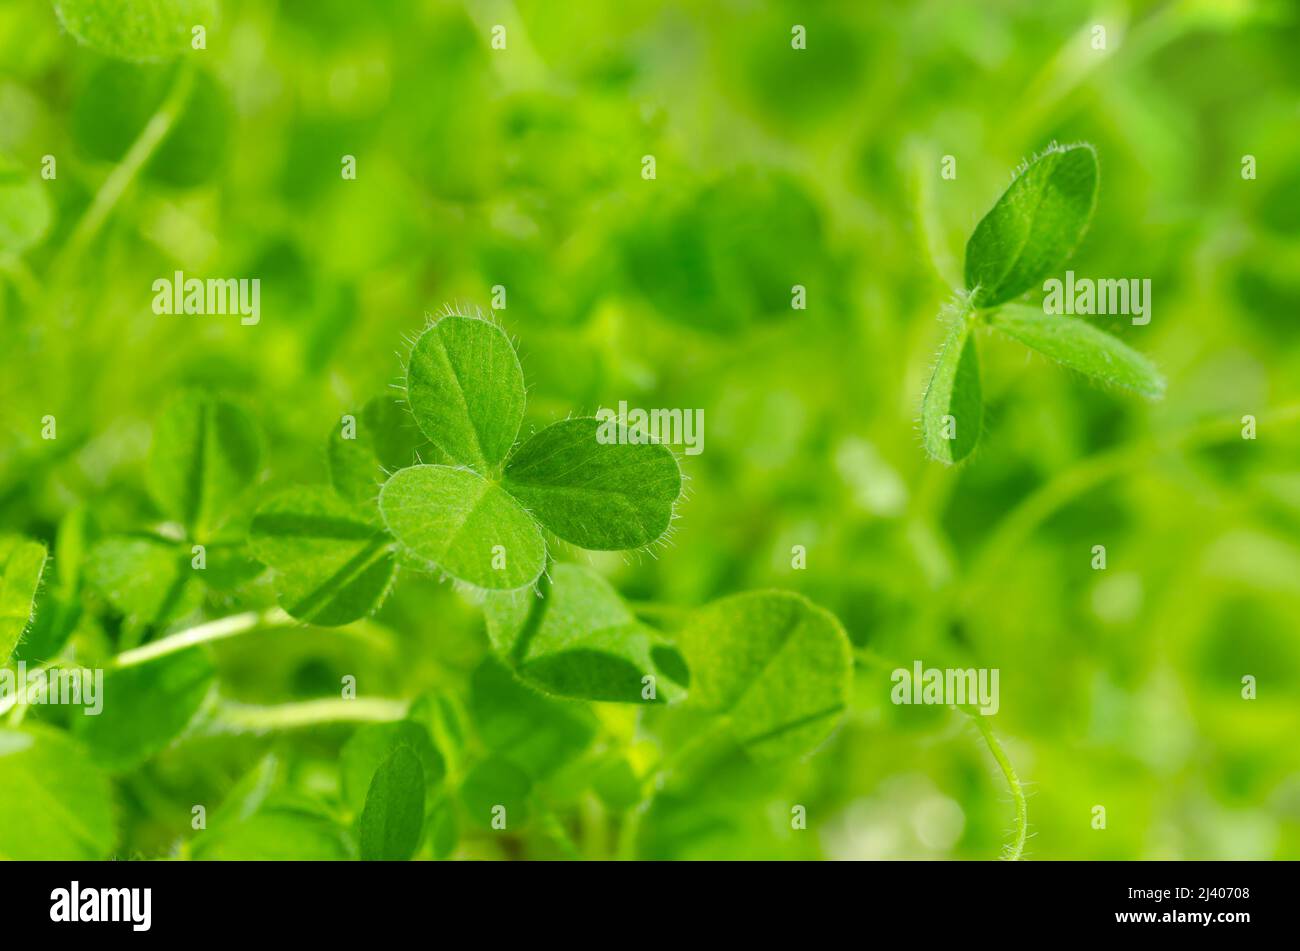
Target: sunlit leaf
(464,525)
(386,439)
(148,579)
(466,389)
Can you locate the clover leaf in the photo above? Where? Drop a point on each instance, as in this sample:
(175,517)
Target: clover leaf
(1028,235)
(481,519)
(136,29)
(55,802)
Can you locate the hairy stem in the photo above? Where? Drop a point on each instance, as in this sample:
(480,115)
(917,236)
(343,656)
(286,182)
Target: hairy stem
(1017,847)
(202,634)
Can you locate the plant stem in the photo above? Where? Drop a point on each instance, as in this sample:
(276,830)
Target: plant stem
(155,130)
(291,716)
(1017,847)
(202,634)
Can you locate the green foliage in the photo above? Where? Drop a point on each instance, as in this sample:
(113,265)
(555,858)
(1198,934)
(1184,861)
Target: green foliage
(1028,235)
(393,817)
(577,639)
(56,804)
(136,29)
(333,561)
(372,745)
(460,523)
(775,665)
(146,578)
(386,439)
(466,390)
(22,562)
(1080,346)
(1034,227)
(145,708)
(599,495)
(206,453)
(952,409)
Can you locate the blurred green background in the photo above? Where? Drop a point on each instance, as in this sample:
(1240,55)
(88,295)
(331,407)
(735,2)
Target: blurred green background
(774,167)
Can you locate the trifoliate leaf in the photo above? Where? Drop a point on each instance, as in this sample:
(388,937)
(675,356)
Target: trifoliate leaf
(578,639)
(1080,346)
(54,803)
(776,665)
(22,562)
(1034,227)
(333,561)
(586,482)
(466,389)
(463,525)
(136,29)
(145,707)
(205,454)
(393,818)
(952,410)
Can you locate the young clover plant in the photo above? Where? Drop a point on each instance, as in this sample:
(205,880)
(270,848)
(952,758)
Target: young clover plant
(1028,235)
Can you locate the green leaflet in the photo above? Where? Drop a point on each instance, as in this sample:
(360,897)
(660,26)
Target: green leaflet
(144,708)
(333,562)
(443,826)
(148,579)
(372,744)
(136,29)
(117,102)
(54,803)
(24,209)
(386,438)
(776,665)
(21,564)
(953,407)
(578,639)
(1080,346)
(1034,227)
(466,390)
(464,525)
(393,818)
(206,453)
(579,481)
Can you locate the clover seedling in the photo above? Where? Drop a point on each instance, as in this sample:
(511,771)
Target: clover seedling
(1028,235)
